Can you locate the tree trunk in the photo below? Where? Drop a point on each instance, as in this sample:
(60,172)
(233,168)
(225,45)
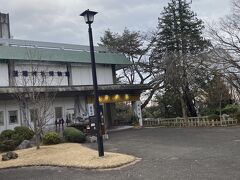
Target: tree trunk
(183,105)
(189,102)
(23,110)
(37,141)
(37,134)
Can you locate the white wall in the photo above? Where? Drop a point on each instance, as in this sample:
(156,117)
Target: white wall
(104,74)
(45,67)
(4,81)
(3,108)
(82,74)
(67,104)
(7,106)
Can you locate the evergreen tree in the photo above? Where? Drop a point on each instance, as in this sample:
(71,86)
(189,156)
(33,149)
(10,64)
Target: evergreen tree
(218,95)
(169,105)
(180,31)
(180,40)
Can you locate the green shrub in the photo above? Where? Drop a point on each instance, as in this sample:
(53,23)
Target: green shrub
(10,139)
(18,139)
(231,109)
(7,145)
(72,134)
(24,132)
(214,117)
(237,116)
(7,134)
(77,126)
(51,138)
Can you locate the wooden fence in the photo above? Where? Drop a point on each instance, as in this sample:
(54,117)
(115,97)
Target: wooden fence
(203,121)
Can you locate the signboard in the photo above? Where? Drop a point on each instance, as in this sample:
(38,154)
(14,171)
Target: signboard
(90,110)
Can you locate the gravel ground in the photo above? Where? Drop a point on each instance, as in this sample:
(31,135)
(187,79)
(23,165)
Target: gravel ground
(201,153)
(68,155)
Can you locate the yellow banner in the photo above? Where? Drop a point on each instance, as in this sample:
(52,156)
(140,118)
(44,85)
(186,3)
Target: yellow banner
(115,98)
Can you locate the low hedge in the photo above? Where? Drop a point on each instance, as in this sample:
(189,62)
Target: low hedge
(72,134)
(51,138)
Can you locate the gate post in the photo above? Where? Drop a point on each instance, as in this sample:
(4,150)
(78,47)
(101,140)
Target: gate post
(136,105)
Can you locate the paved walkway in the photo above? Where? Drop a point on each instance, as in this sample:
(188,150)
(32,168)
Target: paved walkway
(212,153)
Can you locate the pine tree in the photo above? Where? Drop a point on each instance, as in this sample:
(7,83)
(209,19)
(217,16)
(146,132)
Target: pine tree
(179,38)
(180,31)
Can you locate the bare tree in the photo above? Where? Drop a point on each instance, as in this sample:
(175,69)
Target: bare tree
(225,37)
(32,85)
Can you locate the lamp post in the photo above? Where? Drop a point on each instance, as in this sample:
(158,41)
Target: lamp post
(89,17)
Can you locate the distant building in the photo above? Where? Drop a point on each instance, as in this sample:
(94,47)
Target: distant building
(68,71)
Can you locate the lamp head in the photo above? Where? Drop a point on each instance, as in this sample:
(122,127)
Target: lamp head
(88,16)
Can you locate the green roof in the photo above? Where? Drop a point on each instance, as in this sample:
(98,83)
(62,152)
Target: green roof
(60,55)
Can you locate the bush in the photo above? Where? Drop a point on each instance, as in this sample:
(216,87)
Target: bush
(7,145)
(10,139)
(214,117)
(237,116)
(72,134)
(17,139)
(77,126)
(51,138)
(15,136)
(24,132)
(7,134)
(231,109)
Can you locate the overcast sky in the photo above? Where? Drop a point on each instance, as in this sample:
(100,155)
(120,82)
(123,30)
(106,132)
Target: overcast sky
(58,20)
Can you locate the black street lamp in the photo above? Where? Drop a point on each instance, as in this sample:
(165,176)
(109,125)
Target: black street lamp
(89,17)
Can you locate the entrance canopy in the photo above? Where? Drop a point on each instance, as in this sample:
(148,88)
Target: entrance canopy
(108,93)
(114,98)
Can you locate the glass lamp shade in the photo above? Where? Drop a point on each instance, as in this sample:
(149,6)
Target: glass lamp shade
(88,16)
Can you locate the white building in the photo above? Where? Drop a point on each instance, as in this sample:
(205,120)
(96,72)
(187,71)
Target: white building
(67,70)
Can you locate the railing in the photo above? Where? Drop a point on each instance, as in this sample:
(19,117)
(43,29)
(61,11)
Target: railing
(202,121)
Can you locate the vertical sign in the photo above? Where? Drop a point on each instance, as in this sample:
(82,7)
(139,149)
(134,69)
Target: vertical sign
(90,109)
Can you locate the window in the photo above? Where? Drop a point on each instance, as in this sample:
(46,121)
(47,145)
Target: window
(13,117)
(33,115)
(1,118)
(58,112)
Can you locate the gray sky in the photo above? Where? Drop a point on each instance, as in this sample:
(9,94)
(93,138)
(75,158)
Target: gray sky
(58,20)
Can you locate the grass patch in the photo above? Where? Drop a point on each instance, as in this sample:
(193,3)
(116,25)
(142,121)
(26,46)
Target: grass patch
(69,155)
